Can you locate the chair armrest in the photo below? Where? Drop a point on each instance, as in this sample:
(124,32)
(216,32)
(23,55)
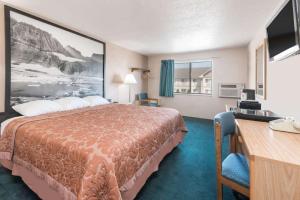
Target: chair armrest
(149,100)
(153,99)
(140,102)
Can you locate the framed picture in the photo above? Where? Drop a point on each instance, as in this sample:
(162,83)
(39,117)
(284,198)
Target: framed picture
(261,70)
(47,61)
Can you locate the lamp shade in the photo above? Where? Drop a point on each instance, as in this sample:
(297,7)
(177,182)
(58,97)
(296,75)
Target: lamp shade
(130,79)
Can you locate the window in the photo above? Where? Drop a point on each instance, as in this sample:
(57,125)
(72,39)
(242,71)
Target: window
(194,77)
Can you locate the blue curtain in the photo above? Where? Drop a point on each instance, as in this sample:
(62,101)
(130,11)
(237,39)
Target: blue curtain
(166,87)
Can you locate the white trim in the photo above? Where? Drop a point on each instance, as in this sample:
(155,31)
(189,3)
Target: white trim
(193,61)
(193,94)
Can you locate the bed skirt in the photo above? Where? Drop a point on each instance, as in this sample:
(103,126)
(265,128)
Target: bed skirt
(128,190)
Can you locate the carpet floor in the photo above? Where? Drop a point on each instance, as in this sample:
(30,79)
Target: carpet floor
(187,173)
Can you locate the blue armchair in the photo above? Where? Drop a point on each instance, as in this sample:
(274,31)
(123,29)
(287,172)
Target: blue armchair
(144,100)
(234,170)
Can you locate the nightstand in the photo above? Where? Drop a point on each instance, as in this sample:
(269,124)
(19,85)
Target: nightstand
(112,101)
(4,116)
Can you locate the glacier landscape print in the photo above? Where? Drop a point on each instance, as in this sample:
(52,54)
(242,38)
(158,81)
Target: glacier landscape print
(48,62)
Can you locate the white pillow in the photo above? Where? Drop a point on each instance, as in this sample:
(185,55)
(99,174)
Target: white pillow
(70,103)
(96,100)
(37,107)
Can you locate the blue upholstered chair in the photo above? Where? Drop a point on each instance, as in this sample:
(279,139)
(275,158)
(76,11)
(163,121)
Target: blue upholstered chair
(234,170)
(144,100)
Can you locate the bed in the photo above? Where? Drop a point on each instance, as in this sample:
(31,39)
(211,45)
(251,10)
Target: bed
(96,152)
(100,152)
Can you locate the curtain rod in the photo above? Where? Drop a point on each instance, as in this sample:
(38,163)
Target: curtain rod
(196,59)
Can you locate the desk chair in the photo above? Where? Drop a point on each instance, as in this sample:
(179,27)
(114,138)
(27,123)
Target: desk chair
(234,170)
(144,100)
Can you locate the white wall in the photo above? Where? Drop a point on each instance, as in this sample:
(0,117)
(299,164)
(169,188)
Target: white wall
(229,66)
(118,61)
(283,79)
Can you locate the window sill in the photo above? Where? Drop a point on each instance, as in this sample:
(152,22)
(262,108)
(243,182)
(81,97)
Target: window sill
(206,95)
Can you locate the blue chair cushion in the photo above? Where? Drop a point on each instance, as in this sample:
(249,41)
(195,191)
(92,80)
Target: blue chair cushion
(143,96)
(226,119)
(152,104)
(235,167)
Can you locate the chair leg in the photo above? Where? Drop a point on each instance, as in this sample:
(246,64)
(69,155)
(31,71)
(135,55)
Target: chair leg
(219,190)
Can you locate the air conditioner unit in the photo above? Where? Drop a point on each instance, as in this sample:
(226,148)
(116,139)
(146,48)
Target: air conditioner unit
(234,90)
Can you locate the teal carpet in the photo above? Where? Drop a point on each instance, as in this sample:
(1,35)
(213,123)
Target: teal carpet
(188,173)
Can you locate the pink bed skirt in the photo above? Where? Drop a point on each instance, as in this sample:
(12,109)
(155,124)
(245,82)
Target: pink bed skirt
(128,190)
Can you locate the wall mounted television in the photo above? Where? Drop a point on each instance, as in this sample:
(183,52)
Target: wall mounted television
(283,32)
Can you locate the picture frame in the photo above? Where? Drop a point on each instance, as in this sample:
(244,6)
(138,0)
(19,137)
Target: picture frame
(261,71)
(45,60)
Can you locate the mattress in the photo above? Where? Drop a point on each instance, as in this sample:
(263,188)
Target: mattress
(104,152)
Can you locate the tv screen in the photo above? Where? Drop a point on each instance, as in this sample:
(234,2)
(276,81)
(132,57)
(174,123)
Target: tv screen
(282,32)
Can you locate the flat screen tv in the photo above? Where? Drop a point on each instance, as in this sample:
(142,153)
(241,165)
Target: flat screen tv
(283,32)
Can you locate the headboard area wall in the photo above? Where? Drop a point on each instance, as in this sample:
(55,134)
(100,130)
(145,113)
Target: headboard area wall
(47,61)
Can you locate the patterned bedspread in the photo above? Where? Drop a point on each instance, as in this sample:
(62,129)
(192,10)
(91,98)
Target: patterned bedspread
(89,153)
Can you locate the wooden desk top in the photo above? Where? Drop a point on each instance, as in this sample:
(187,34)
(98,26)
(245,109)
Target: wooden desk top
(261,141)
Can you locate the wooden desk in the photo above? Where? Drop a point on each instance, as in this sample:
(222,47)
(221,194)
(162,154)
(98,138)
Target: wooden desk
(274,160)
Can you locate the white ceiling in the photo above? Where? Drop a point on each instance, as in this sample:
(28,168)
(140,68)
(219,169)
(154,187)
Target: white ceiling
(159,26)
